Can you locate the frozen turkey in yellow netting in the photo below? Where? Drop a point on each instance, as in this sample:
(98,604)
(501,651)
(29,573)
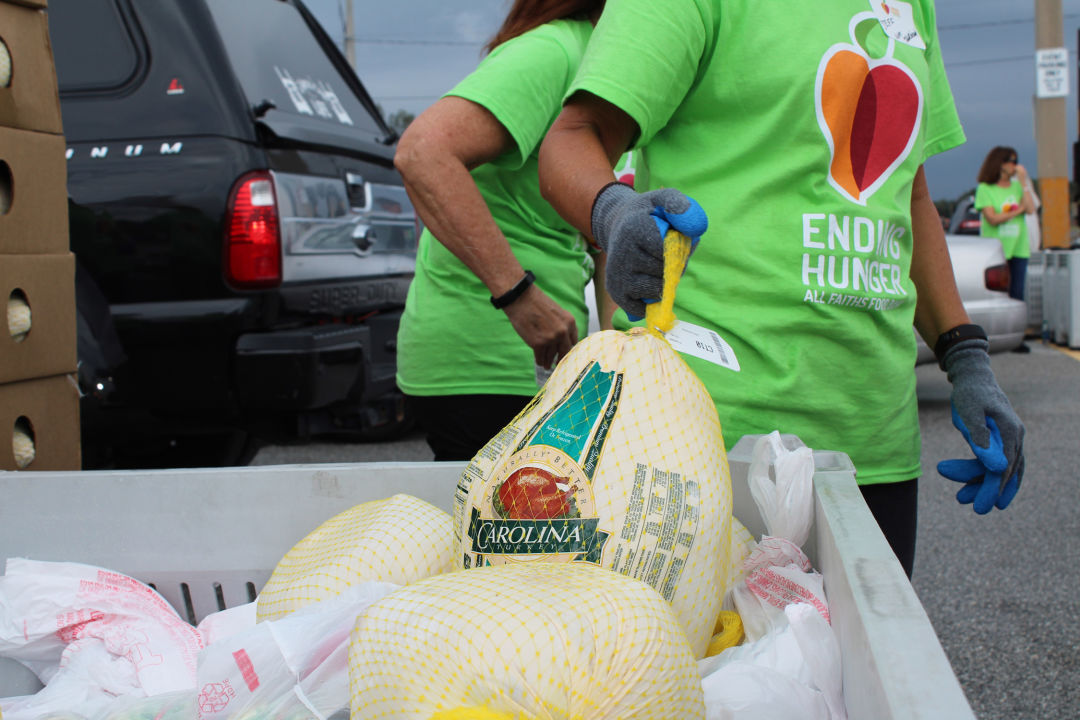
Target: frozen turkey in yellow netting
(541,641)
(617,461)
(399,540)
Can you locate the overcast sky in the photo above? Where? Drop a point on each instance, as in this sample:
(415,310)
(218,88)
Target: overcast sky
(408,53)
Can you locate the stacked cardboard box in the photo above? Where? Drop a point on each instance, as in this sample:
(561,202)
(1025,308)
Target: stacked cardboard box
(39,398)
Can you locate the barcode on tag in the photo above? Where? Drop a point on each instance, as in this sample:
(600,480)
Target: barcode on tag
(702,343)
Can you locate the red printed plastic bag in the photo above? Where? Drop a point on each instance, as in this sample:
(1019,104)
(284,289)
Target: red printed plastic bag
(297,666)
(90,634)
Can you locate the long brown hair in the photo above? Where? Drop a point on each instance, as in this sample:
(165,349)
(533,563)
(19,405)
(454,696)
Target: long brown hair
(990,172)
(528,14)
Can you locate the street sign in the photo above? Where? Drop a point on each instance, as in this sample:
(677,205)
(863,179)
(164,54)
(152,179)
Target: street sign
(1052,72)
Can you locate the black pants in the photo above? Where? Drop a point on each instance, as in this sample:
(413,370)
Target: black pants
(895,506)
(1017,277)
(457,426)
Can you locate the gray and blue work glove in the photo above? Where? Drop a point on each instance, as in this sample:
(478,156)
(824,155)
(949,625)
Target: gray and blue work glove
(630,227)
(983,415)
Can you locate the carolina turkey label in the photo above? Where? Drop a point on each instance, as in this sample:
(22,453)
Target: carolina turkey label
(540,502)
(618,461)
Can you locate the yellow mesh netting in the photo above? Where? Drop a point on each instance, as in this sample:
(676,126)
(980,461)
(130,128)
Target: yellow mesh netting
(523,641)
(660,316)
(728,633)
(399,540)
(477,713)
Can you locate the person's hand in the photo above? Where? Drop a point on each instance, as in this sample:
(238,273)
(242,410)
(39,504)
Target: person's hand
(544,326)
(983,415)
(1021,173)
(630,227)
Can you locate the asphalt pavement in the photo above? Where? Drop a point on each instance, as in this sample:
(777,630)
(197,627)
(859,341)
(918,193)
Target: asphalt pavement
(1002,590)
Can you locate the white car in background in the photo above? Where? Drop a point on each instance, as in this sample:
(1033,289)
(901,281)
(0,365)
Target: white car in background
(982,276)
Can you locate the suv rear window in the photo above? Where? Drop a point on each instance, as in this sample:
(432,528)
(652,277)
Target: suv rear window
(280,60)
(107,63)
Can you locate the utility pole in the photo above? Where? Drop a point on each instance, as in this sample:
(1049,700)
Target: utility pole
(350,35)
(1052,88)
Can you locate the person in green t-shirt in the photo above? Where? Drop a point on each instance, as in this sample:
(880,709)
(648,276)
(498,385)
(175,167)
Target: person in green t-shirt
(825,246)
(1004,196)
(490,239)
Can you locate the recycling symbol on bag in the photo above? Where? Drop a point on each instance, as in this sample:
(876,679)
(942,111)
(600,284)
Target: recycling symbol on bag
(214,697)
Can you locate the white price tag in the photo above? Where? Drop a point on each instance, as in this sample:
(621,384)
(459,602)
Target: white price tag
(702,343)
(898,21)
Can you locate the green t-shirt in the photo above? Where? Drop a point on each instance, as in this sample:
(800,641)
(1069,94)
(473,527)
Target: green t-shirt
(799,128)
(451,340)
(1012,234)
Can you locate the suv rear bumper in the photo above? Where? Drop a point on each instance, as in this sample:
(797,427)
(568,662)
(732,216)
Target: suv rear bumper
(315,367)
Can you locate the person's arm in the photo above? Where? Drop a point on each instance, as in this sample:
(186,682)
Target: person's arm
(576,161)
(1028,202)
(578,154)
(939,307)
(995,217)
(980,410)
(434,157)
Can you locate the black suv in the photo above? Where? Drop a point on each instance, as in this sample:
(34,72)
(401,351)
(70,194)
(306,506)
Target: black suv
(233,201)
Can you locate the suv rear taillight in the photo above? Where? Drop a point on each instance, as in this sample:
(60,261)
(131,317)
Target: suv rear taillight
(253,234)
(997,278)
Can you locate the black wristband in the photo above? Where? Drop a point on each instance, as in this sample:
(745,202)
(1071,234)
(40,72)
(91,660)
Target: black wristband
(515,292)
(958,334)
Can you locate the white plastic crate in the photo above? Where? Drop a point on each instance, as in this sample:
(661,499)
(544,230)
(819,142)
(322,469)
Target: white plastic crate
(209,538)
(1033,290)
(1061,296)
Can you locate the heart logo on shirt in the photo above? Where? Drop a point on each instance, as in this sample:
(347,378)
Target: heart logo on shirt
(869,112)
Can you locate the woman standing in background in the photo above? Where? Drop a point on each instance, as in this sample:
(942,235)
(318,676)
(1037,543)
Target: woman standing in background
(1004,196)
(470,166)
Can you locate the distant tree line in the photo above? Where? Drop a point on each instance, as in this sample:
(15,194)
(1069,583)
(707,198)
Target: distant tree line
(397,120)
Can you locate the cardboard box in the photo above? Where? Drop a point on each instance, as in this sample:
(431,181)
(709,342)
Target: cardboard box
(47,285)
(33,189)
(31,100)
(49,407)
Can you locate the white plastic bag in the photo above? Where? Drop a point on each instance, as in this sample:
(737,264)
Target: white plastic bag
(790,669)
(215,627)
(90,634)
(786,501)
(777,573)
(792,673)
(167,706)
(298,664)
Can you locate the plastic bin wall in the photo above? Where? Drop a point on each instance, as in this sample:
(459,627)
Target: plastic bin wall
(210,537)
